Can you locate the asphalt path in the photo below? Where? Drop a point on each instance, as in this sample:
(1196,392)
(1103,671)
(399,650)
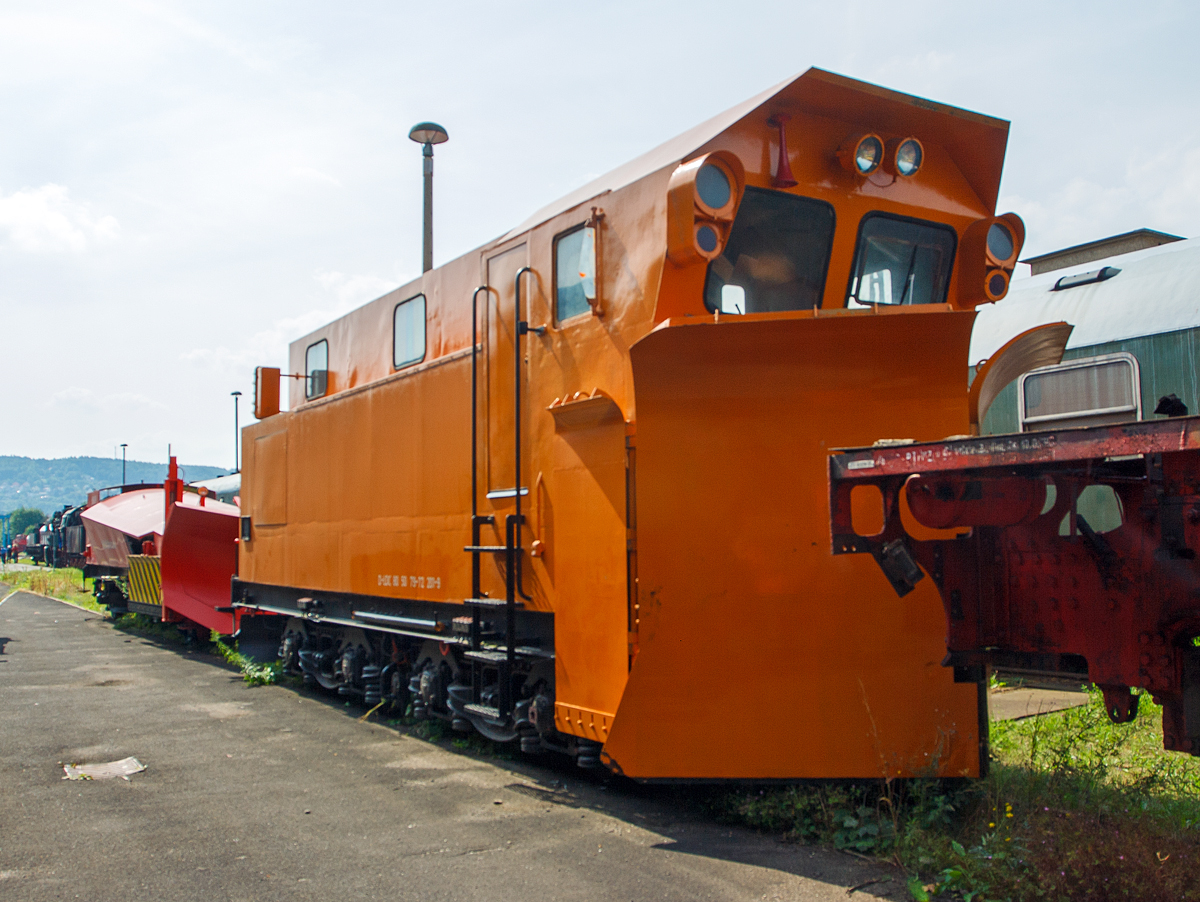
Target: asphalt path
(269,793)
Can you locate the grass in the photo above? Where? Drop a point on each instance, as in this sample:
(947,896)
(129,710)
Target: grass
(1075,807)
(65,583)
(253,673)
(68,584)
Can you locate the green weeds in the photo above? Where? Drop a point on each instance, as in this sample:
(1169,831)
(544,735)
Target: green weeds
(1075,807)
(151,628)
(253,673)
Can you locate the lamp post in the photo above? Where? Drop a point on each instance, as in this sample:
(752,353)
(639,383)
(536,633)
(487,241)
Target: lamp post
(236,433)
(428,134)
(123,447)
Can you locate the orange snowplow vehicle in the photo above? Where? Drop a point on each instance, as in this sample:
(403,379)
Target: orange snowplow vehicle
(570,489)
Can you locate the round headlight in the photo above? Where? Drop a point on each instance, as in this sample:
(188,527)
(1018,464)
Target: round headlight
(997,284)
(712,186)
(868,155)
(706,239)
(908,157)
(1000,242)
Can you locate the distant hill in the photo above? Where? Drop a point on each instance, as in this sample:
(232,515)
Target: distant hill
(49,484)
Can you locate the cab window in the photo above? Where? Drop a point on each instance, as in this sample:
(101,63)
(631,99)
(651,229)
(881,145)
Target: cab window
(408,332)
(574,272)
(901,261)
(316,369)
(776,256)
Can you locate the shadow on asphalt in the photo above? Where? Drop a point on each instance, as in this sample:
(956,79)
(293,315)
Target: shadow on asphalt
(674,811)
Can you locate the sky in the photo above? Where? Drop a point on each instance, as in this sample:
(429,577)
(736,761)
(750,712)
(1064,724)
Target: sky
(186,187)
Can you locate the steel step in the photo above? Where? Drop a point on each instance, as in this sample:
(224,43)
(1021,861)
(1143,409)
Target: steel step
(485,548)
(531,652)
(486,656)
(484,711)
(490,602)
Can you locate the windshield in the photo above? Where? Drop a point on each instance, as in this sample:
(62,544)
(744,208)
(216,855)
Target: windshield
(776,256)
(901,261)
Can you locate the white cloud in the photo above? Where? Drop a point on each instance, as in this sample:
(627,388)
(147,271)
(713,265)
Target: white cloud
(307,174)
(269,347)
(1159,190)
(47,220)
(1168,184)
(84,399)
(352,291)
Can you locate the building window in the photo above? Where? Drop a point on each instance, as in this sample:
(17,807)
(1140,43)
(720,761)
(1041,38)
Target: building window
(316,369)
(574,272)
(1090,391)
(776,257)
(901,261)
(408,332)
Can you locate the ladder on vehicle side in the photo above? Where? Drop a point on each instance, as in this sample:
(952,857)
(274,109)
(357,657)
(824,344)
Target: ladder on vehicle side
(503,660)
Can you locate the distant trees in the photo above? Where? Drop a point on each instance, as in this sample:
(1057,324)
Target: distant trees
(25,517)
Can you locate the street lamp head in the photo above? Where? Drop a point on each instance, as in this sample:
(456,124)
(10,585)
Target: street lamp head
(428,133)
(236,394)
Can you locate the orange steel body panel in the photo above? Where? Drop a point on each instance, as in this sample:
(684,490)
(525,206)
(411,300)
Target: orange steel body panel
(733,555)
(742,648)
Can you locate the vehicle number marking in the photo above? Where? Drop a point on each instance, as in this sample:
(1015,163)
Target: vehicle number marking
(405,581)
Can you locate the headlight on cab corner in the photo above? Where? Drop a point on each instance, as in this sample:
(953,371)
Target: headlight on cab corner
(987,256)
(1001,245)
(702,201)
(861,154)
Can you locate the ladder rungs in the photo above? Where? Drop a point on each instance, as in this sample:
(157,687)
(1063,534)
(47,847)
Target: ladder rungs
(486,656)
(489,602)
(530,652)
(484,711)
(481,549)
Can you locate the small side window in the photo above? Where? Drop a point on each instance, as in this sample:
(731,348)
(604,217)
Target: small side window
(1090,391)
(316,369)
(408,332)
(574,272)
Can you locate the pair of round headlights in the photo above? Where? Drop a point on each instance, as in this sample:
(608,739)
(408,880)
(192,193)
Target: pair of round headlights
(868,153)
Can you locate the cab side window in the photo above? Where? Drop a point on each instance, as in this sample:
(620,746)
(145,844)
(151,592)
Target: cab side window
(574,272)
(408,332)
(316,369)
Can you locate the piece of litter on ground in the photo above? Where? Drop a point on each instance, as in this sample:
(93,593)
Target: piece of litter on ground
(123,769)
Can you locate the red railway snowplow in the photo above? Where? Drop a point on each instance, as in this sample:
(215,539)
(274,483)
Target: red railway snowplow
(166,551)
(1070,551)
(199,560)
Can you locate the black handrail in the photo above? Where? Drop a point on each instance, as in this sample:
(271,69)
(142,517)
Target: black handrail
(476,520)
(522,327)
(475,402)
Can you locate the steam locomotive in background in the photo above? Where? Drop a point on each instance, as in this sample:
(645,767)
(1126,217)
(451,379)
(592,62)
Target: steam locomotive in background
(60,541)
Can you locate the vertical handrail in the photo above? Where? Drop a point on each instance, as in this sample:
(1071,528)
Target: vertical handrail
(476,589)
(475,403)
(522,329)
